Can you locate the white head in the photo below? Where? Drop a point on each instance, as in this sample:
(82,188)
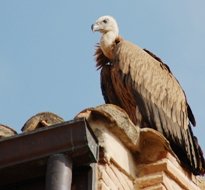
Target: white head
(105,24)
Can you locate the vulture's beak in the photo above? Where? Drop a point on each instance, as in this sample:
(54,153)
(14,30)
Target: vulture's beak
(95,27)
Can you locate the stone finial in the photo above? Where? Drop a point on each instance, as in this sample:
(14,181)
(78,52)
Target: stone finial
(43,119)
(6,131)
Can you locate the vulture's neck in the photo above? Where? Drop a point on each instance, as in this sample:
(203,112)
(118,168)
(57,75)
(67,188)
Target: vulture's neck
(107,43)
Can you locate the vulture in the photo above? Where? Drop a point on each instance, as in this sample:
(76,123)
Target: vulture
(139,82)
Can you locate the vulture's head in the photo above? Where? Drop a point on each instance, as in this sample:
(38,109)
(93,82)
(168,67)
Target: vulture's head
(105,24)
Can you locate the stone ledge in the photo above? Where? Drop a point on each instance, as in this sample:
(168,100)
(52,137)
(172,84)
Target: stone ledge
(116,121)
(170,172)
(144,156)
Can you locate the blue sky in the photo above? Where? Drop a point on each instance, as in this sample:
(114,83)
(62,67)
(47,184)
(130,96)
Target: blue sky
(47,47)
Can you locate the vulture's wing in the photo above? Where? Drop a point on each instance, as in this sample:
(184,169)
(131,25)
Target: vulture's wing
(190,114)
(158,97)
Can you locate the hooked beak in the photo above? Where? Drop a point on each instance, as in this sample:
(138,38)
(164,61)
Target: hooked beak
(95,27)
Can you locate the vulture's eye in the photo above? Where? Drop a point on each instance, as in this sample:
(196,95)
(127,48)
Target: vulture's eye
(105,21)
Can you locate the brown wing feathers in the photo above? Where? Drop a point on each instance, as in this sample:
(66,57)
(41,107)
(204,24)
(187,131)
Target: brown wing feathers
(190,114)
(165,105)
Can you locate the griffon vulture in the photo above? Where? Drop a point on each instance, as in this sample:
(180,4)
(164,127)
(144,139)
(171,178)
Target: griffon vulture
(140,83)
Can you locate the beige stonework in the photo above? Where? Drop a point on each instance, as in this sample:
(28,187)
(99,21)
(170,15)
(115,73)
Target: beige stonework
(132,158)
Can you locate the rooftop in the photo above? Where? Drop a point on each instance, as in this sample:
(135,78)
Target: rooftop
(105,149)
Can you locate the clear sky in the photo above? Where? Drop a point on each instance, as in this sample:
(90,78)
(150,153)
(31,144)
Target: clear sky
(47,47)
